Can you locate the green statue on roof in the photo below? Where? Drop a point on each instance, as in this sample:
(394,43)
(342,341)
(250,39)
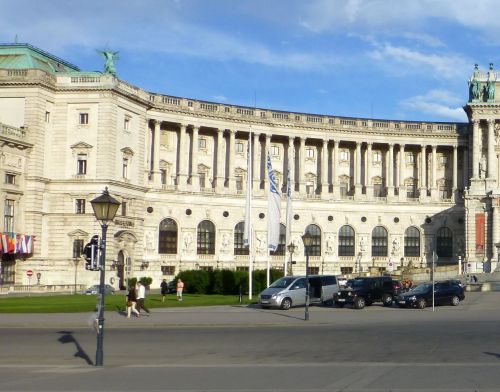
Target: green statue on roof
(109,65)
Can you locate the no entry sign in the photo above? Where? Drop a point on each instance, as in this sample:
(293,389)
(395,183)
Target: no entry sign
(29,273)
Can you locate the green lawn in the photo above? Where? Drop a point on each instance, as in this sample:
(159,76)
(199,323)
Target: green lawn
(87,303)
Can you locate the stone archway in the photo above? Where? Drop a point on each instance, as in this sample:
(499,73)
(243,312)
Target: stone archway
(125,246)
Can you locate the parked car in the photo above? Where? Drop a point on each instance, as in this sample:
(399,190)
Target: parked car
(291,291)
(446,292)
(367,290)
(94,289)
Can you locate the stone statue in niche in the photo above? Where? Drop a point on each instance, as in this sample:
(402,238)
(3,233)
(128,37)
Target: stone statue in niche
(482,167)
(149,240)
(225,242)
(187,242)
(395,247)
(362,245)
(261,243)
(329,245)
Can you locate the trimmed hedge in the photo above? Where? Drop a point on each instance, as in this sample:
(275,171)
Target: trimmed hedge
(225,282)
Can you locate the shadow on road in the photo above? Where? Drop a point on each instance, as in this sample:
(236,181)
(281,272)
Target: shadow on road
(67,337)
(267,311)
(496,355)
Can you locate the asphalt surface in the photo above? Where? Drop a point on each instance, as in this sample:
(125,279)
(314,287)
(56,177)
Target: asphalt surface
(239,348)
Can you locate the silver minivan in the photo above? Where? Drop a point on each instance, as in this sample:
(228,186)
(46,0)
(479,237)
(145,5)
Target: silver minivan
(290,291)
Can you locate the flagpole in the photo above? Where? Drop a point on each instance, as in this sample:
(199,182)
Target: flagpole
(248,232)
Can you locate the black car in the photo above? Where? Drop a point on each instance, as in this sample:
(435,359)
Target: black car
(445,293)
(367,290)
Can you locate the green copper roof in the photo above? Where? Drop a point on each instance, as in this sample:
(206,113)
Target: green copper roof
(26,56)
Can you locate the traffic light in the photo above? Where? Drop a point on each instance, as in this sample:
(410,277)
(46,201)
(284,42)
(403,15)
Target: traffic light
(91,254)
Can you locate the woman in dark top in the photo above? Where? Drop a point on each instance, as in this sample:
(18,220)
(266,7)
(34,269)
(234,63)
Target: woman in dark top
(131,302)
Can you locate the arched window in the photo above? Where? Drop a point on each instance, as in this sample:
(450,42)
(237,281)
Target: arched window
(412,242)
(315,232)
(346,241)
(379,242)
(167,239)
(206,238)
(444,242)
(280,250)
(239,247)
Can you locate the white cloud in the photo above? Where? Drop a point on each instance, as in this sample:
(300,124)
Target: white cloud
(439,103)
(445,66)
(220,98)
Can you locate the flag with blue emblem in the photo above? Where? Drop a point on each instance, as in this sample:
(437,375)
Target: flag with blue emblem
(273,208)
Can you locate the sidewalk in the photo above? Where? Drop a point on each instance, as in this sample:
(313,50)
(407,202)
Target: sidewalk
(250,316)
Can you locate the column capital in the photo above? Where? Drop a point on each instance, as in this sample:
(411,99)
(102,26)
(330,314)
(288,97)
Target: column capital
(369,145)
(434,147)
(475,121)
(183,126)
(391,145)
(220,130)
(491,121)
(325,141)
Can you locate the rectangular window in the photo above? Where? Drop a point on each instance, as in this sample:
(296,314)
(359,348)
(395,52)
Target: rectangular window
(10,178)
(239,147)
(411,191)
(203,180)
(239,183)
(126,124)
(124,208)
(377,156)
(344,155)
(275,151)
(84,118)
(410,158)
(202,143)
(207,268)
(242,269)
(378,190)
(346,270)
(309,153)
(310,188)
(125,168)
(344,190)
(313,270)
(163,176)
(444,160)
(81,164)
(80,206)
(77,248)
(47,117)
(168,270)
(8,222)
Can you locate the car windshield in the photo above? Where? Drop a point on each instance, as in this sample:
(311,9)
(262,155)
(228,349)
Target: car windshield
(359,283)
(421,288)
(282,283)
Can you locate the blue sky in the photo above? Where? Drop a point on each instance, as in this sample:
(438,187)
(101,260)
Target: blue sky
(388,59)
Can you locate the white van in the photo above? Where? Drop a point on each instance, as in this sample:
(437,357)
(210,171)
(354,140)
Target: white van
(291,291)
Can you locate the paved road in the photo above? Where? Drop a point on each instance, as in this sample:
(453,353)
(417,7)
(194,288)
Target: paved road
(241,349)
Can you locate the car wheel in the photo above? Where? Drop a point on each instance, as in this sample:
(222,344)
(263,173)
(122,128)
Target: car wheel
(328,302)
(421,304)
(359,303)
(402,305)
(387,300)
(339,304)
(286,304)
(455,300)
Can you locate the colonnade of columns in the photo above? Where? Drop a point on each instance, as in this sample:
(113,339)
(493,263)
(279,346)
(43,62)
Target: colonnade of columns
(360,167)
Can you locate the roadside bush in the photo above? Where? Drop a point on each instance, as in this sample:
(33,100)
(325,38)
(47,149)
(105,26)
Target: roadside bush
(195,281)
(131,282)
(146,281)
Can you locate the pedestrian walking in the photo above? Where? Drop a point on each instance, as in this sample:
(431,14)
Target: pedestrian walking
(164,289)
(141,296)
(132,302)
(180,287)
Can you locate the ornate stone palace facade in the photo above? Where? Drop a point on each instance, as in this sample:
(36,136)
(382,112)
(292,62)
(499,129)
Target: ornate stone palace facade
(369,190)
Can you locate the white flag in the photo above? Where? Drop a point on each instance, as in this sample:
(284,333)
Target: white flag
(288,210)
(273,208)
(247,233)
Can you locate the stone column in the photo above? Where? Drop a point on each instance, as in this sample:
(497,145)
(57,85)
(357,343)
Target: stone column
(466,168)
(491,164)
(324,170)
(230,148)
(423,173)
(291,162)
(256,163)
(358,191)
(220,177)
(368,173)
(454,185)
(401,172)
(155,156)
(434,185)
(302,160)
(267,148)
(475,149)
(182,174)
(390,172)
(335,170)
(195,178)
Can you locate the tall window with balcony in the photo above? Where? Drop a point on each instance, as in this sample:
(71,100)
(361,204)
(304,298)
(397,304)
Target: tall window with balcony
(167,238)
(80,206)
(125,168)
(205,244)
(8,216)
(239,247)
(412,242)
(239,184)
(444,242)
(345,189)
(379,242)
(81,164)
(163,177)
(346,241)
(378,187)
(411,188)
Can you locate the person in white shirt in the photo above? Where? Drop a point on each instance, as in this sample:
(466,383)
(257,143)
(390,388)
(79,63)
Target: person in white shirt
(141,296)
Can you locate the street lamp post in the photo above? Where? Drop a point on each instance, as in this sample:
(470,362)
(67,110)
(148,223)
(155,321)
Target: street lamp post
(105,208)
(291,250)
(307,240)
